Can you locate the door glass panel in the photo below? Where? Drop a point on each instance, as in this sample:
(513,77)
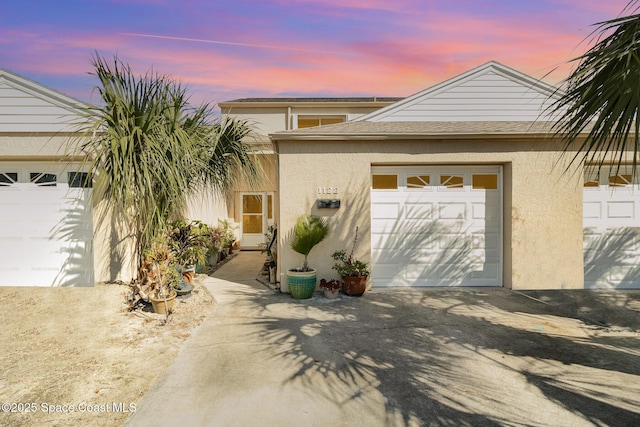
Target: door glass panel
(269,206)
(251,203)
(252,224)
(384,182)
(485,182)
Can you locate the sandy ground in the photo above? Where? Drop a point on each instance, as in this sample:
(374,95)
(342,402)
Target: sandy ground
(75,356)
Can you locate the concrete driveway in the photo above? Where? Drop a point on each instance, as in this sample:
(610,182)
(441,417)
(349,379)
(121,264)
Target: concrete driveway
(403,357)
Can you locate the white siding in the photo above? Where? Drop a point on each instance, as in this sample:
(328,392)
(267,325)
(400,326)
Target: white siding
(28,107)
(490,93)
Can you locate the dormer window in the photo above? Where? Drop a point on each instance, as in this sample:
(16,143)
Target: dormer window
(307,121)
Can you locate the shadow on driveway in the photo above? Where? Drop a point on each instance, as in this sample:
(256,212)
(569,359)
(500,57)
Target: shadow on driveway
(404,357)
(459,357)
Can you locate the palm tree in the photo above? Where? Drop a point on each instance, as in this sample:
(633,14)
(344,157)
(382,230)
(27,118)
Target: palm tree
(148,150)
(601,97)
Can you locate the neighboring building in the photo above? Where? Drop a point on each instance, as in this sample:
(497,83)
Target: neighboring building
(254,209)
(50,233)
(46,211)
(461,184)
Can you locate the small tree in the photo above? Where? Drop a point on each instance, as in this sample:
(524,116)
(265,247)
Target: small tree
(307,233)
(149,150)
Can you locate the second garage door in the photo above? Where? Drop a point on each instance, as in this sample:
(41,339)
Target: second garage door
(436,226)
(45,226)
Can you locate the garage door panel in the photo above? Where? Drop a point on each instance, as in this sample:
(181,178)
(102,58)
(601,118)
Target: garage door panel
(621,210)
(386,211)
(452,210)
(418,211)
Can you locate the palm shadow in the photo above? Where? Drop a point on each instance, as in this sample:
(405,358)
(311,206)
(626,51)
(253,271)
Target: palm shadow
(438,357)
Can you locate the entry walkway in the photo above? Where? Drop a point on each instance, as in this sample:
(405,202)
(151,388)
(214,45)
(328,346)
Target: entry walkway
(400,357)
(238,370)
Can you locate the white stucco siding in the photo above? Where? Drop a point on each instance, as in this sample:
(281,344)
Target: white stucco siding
(542,208)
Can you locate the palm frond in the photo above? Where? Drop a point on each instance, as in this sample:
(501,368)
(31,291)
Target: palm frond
(601,97)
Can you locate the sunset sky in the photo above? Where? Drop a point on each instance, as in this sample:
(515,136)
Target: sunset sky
(231,49)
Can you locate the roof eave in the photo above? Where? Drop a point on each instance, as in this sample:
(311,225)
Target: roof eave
(406,136)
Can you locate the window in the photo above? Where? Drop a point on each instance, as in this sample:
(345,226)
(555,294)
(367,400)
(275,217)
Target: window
(591,177)
(384,182)
(418,181)
(43,179)
(620,180)
(452,181)
(311,121)
(80,180)
(484,182)
(8,178)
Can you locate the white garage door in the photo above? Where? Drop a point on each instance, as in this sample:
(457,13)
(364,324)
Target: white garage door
(45,227)
(436,226)
(611,226)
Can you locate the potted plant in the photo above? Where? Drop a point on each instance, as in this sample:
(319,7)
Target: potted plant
(307,233)
(189,243)
(331,288)
(164,276)
(354,272)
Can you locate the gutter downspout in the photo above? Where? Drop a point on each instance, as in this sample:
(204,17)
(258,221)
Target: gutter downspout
(276,150)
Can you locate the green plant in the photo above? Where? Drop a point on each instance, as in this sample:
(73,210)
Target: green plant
(164,275)
(149,150)
(347,265)
(189,242)
(228,235)
(307,233)
(600,98)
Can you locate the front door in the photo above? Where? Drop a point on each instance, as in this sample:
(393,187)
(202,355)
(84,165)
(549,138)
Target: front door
(257,215)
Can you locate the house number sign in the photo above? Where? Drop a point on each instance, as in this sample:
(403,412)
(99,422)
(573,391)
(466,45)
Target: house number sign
(327,190)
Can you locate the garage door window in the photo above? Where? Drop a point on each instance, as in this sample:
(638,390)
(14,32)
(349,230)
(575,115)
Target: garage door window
(384,182)
(8,178)
(484,182)
(79,180)
(452,181)
(620,180)
(43,179)
(418,182)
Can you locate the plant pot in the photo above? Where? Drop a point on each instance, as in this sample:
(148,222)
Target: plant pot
(159,303)
(301,284)
(331,293)
(354,285)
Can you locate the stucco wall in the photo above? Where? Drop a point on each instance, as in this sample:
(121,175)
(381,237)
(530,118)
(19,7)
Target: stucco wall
(542,236)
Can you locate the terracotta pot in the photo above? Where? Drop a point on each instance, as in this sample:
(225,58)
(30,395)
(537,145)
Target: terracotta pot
(354,285)
(159,303)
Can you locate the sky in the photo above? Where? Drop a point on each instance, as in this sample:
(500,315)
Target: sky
(224,50)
